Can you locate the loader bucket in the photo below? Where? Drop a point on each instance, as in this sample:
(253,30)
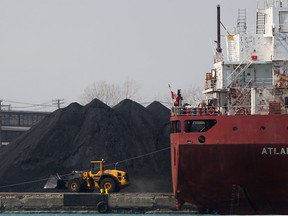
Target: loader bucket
(54,181)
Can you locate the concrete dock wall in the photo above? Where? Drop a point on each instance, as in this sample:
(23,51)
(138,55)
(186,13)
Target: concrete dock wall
(118,203)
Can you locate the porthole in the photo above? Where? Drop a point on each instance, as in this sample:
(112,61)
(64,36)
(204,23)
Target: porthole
(262,128)
(201,139)
(235,128)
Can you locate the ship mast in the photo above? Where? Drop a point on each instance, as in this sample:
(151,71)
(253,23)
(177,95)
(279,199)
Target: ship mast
(218,55)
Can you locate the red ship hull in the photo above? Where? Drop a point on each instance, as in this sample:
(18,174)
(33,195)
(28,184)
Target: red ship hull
(240,168)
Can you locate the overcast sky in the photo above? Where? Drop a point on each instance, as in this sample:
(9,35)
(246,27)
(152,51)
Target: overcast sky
(52,49)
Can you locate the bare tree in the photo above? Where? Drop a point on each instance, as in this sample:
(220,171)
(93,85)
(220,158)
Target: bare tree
(109,93)
(130,89)
(193,96)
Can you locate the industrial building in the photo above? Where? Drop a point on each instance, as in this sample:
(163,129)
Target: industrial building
(15,123)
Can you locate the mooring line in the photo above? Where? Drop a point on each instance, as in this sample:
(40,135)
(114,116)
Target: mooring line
(45,179)
(23,183)
(144,155)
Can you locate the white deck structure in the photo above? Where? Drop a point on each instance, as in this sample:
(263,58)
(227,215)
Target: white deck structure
(253,76)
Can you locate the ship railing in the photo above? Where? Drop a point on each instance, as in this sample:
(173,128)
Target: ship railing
(209,111)
(272,3)
(239,109)
(225,110)
(263,82)
(199,111)
(194,111)
(258,110)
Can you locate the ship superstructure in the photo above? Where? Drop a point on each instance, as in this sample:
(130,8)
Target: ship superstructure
(253,77)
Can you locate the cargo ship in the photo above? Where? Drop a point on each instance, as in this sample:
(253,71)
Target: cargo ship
(229,152)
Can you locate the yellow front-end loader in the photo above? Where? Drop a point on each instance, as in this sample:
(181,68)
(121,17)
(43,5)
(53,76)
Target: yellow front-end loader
(97,177)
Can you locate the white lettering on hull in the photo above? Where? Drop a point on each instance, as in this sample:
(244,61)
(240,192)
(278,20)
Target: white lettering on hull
(274,151)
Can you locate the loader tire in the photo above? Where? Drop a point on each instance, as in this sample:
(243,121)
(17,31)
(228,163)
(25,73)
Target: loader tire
(74,185)
(109,184)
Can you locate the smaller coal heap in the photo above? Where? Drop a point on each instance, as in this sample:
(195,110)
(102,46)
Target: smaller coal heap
(67,139)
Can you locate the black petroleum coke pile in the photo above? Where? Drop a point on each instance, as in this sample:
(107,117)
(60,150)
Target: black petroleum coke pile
(67,139)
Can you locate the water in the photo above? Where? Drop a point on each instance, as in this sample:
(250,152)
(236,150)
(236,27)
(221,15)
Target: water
(92,214)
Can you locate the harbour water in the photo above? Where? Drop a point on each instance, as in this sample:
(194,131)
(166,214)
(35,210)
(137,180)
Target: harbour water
(92,214)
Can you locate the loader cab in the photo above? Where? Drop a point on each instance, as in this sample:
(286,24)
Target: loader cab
(96,166)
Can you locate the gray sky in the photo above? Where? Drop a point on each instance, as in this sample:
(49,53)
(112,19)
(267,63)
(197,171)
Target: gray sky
(53,49)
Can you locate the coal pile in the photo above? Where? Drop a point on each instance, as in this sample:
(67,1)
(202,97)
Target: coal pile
(67,139)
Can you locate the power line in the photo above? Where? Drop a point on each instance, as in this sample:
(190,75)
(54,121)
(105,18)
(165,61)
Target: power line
(30,104)
(33,106)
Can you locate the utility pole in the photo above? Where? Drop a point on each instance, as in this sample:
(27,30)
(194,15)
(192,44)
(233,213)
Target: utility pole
(58,102)
(1,118)
(0,123)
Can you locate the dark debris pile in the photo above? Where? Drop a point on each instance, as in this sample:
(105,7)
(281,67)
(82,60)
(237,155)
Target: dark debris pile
(69,138)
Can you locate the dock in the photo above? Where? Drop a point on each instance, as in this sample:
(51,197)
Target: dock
(118,203)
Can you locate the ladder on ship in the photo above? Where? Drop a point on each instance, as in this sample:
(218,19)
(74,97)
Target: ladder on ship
(235,197)
(237,71)
(246,91)
(241,21)
(260,23)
